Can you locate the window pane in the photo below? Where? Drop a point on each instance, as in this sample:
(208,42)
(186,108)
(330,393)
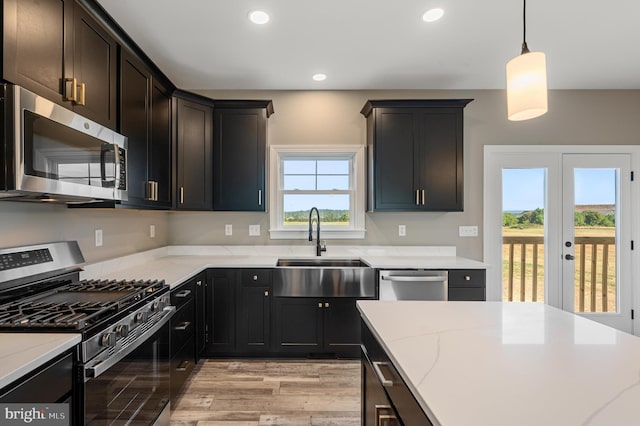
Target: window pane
(299,167)
(333,167)
(333,182)
(334,209)
(299,182)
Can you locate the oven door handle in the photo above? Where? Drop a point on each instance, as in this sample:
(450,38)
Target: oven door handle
(93,370)
(115,181)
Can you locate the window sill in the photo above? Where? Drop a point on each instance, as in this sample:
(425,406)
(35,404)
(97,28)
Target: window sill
(329,234)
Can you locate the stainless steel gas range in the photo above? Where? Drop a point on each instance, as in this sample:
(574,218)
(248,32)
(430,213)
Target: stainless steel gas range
(122,365)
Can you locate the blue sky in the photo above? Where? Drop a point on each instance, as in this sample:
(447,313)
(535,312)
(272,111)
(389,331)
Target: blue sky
(523,189)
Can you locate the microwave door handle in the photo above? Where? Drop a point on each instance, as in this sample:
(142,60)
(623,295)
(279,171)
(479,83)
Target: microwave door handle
(116,156)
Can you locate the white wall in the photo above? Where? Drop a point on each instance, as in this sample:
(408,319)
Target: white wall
(124,231)
(319,117)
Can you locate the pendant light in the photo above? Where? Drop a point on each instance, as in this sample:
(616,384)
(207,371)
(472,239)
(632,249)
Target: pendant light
(526,81)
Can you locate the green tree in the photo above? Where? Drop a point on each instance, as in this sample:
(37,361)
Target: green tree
(509,219)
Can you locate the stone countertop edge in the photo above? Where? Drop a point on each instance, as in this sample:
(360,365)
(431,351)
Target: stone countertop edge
(21,353)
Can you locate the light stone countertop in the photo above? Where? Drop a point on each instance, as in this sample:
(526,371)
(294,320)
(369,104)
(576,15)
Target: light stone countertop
(176,264)
(21,353)
(495,363)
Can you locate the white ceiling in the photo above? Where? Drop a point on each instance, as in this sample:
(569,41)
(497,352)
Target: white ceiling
(383,44)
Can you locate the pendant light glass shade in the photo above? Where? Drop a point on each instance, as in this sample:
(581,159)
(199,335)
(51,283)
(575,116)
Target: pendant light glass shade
(527,86)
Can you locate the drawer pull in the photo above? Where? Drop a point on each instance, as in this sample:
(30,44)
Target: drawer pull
(183,365)
(255,278)
(182,326)
(384,416)
(326,304)
(319,305)
(467,278)
(266,293)
(199,283)
(182,294)
(376,367)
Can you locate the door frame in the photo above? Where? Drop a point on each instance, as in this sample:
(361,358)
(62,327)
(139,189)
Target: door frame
(495,156)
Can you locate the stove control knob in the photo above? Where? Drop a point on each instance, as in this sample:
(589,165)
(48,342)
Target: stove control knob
(108,340)
(122,330)
(141,317)
(155,306)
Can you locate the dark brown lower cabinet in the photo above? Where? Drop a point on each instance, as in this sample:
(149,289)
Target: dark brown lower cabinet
(310,325)
(386,399)
(183,349)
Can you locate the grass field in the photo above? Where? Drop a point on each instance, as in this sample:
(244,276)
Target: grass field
(529,268)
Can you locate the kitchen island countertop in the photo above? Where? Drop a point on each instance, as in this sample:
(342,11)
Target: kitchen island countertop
(20,353)
(495,363)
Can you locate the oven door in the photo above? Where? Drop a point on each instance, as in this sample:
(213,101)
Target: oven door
(136,388)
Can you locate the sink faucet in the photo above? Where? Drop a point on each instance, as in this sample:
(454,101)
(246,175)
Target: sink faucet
(319,247)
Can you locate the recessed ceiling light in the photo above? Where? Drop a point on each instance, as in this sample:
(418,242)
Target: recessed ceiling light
(259,17)
(319,77)
(433,15)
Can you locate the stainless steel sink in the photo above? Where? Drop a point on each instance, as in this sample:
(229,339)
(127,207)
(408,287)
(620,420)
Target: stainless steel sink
(322,277)
(321,262)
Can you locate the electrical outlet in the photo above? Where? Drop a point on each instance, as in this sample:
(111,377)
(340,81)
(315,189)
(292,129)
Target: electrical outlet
(228,230)
(402,230)
(468,231)
(254,230)
(98,237)
(152,231)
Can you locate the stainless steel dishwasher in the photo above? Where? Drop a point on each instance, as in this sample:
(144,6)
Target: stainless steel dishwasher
(412,284)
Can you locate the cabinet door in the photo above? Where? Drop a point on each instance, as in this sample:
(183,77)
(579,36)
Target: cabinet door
(298,324)
(395,159)
(95,67)
(134,111)
(201,309)
(159,154)
(254,318)
(35,39)
(440,154)
(221,311)
(342,326)
(193,155)
(239,159)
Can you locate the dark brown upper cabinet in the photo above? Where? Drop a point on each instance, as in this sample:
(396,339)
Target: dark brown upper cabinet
(145,119)
(239,155)
(193,121)
(415,154)
(56,49)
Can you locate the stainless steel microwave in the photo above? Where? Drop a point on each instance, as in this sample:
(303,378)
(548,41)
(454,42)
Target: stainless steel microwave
(50,153)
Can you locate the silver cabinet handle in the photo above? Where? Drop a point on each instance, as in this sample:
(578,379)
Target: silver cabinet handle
(412,278)
(417,197)
(155,190)
(182,326)
(199,283)
(319,305)
(467,278)
(376,367)
(423,197)
(259,197)
(326,305)
(183,293)
(266,293)
(255,278)
(183,365)
(182,195)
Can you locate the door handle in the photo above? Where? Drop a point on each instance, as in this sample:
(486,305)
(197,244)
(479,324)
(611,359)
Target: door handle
(70,86)
(417,197)
(259,197)
(376,368)
(182,195)
(423,197)
(569,257)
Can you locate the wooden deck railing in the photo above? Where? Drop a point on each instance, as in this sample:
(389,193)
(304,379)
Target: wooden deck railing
(523,278)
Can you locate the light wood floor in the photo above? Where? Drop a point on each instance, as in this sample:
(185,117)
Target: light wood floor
(271,392)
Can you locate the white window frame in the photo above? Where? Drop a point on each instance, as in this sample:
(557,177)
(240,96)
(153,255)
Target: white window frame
(277,154)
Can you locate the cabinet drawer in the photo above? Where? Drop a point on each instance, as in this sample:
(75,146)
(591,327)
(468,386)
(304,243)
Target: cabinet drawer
(401,398)
(183,294)
(182,326)
(467,293)
(467,278)
(256,276)
(182,365)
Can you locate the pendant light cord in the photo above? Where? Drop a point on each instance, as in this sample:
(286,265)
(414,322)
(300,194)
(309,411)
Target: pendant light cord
(525,48)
